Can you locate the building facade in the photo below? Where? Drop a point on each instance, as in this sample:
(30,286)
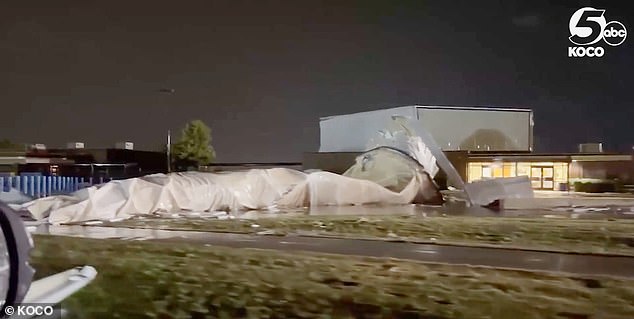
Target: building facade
(553,171)
(453,128)
(481,143)
(86,163)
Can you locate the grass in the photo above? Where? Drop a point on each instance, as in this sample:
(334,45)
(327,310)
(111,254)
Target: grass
(178,280)
(567,235)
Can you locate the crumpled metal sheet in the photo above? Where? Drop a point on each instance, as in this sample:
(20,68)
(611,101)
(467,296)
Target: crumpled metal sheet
(486,192)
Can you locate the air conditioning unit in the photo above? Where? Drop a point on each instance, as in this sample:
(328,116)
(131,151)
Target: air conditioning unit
(38,147)
(75,145)
(124,145)
(591,148)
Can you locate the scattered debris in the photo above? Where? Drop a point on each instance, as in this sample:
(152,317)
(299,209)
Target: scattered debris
(487,192)
(267,232)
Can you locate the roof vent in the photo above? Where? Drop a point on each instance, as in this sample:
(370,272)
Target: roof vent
(591,148)
(75,145)
(38,147)
(124,145)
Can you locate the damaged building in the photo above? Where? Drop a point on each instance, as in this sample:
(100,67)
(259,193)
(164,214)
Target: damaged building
(481,143)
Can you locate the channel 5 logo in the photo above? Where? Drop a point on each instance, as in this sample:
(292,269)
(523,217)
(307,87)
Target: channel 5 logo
(588,27)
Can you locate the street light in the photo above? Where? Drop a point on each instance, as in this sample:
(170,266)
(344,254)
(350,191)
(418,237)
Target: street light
(168,151)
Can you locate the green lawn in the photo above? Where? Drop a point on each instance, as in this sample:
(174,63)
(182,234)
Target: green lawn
(178,280)
(569,235)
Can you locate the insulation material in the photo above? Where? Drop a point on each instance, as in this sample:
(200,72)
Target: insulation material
(416,129)
(400,137)
(231,191)
(394,170)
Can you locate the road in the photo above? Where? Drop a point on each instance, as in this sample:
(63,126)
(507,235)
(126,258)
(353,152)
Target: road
(477,256)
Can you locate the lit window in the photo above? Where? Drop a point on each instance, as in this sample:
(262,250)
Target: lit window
(498,172)
(523,169)
(509,169)
(561,172)
(475,172)
(487,172)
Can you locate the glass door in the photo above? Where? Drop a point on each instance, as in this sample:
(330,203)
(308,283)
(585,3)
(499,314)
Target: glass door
(543,177)
(548,178)
(536,177)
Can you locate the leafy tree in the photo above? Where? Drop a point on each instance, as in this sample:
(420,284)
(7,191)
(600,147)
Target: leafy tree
(194,147)
(8,145)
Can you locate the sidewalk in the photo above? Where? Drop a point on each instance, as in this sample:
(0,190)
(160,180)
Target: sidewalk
(559,194)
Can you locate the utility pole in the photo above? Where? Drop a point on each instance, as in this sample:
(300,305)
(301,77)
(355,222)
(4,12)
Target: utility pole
(168,151)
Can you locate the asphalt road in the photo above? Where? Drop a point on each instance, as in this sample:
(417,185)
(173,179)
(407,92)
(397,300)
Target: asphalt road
(491,257)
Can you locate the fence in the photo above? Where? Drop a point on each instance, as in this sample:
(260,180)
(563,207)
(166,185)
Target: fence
(42,186)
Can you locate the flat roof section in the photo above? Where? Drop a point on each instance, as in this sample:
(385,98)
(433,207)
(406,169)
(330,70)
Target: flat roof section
(440,107)
(528,157)
(474,108)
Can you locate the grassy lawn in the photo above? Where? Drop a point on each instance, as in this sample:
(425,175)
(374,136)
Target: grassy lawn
(569,235)
(139,279)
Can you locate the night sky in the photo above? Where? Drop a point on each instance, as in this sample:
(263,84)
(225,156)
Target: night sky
(261,73)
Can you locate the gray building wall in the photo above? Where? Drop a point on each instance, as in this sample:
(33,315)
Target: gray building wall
(352,132)
(478,129)
(453,128)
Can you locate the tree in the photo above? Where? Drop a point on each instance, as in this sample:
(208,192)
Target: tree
(194,147)
(6,144)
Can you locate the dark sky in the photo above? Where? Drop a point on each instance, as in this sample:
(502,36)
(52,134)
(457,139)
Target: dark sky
(261,73)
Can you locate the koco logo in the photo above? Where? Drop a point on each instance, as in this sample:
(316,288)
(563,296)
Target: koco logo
(588,27)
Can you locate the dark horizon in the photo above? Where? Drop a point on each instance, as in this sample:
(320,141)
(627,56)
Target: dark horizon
(260,74)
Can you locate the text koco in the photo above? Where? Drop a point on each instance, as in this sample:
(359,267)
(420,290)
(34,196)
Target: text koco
(578,52)
(35,310)
(588,27)
(29,311)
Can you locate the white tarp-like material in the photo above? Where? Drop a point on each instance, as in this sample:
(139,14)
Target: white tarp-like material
(14,196)
(399,136)
(276,188)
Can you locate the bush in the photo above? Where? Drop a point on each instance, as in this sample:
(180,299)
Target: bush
(599,187)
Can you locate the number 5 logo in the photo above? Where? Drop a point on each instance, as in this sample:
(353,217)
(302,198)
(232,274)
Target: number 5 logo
(586,26)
